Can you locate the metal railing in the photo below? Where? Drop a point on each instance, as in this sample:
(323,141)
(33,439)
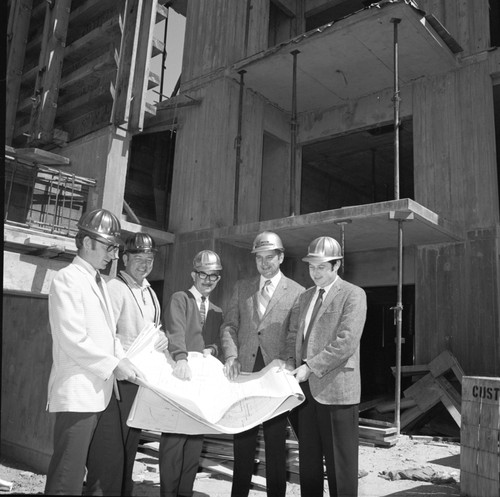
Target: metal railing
(44,198)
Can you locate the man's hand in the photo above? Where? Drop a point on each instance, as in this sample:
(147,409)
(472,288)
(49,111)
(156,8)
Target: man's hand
(232,368)
(302,373)
(208,351)
(125,370)
(182,370)
(162,343)
(290,364)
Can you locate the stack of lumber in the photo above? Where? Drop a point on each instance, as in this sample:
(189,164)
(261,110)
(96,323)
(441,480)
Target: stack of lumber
(377,433)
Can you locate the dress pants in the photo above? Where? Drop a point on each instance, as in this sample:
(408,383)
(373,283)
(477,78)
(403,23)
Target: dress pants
(331,431)
(131,436)
(91,439)
(244,447)
(179,459)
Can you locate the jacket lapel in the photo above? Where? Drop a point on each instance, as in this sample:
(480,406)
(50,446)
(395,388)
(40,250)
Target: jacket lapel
(278,293)
(102,296)
(329,298)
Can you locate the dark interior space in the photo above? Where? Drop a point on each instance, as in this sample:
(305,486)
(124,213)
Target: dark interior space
(378,346)
(149,179)
(356,169)
(333,11)
(494,23)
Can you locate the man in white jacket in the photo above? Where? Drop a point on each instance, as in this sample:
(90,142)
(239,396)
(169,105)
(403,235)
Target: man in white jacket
(135,305)
(87,360)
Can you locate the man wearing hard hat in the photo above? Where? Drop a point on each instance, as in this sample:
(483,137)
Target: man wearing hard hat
(135,305)
(323,347)
(253,335)
(193,324)
(87,360)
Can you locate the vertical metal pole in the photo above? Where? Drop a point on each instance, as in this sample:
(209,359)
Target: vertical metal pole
(293,133)
(398,309)
(342,225)
(238,149)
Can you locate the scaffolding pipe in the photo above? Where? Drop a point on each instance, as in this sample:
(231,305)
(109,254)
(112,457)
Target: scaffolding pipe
(238,149)
(293,133)
(398,309)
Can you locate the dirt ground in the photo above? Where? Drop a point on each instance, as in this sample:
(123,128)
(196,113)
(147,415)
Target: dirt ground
(440,457)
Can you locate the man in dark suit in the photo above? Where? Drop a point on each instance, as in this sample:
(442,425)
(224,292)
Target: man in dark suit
(323,347)
(193,324)
(253,335)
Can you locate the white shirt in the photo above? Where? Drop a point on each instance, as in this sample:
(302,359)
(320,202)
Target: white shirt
(313,301)
(197,295)
(142,296)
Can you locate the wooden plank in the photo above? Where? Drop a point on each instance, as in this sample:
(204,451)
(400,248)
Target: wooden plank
(19,21)
(93,67)
(126,64)
(141,74)
(50,67)
(412,370)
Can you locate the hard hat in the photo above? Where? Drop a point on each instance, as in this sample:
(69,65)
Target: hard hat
(323,249)
(101,224)
(267,240)
(139,243)
(206,260)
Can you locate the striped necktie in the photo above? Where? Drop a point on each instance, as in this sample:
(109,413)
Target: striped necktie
(203,310)
(265,296)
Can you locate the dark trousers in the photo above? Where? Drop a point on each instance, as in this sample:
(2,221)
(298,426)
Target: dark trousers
(331,431)
(131,436)
(244,447)
(91,439)
(179,458)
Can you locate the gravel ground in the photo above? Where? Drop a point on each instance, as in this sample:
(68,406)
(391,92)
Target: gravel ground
(442,457)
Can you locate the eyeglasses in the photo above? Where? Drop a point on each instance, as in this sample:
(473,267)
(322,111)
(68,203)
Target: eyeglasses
(210,277)
(109,248)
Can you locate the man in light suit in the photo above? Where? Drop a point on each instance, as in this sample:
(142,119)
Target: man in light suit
(87,361)
(323,347)
(135,305)
(253,335)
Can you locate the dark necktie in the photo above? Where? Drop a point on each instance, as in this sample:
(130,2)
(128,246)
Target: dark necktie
(203,310)
(314,313)
(98,277)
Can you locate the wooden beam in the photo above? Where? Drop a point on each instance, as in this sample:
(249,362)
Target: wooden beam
(50,67)
(17,35)
(140,80)
(126,64)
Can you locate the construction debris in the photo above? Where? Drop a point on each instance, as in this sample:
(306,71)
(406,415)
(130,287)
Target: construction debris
(435,387)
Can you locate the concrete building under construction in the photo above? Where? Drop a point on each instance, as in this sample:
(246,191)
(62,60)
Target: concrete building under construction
(375,123)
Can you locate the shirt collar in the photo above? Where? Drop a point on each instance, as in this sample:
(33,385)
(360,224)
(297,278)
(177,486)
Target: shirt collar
(196,294)
(132,283)
(274,280)
(86,265)
(328,287)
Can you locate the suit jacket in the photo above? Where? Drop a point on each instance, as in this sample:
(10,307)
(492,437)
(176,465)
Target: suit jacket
(183,326)
(85,349)
(243,331)
(127,312)
(333,347)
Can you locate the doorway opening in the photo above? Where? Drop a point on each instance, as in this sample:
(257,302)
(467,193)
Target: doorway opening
(148,185)
(378,343)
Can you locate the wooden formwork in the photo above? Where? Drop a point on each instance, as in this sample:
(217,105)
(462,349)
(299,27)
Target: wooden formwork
(480,437)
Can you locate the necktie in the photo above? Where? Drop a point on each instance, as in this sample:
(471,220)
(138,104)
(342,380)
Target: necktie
(202,310)
(265,295)
(98,277)
(314,313)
